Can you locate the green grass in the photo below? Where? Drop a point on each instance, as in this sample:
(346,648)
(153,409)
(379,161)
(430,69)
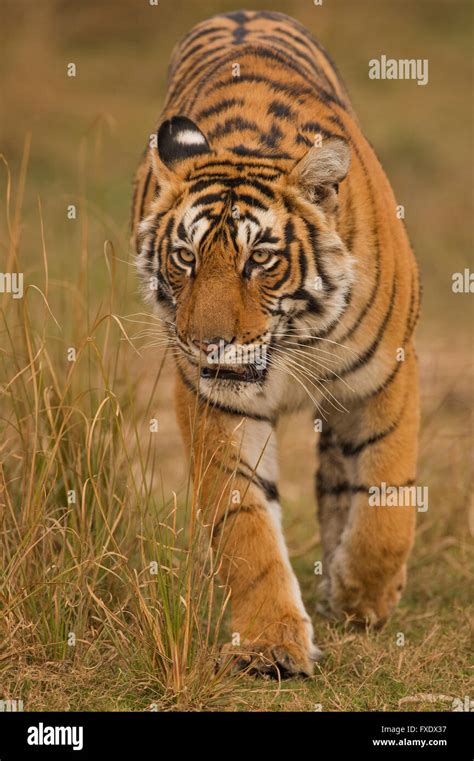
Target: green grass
(152,641)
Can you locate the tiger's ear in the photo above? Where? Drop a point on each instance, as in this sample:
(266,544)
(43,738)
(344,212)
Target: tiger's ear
(320,171)
(180,139)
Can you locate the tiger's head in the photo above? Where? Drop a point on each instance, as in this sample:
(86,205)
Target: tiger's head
(240,252)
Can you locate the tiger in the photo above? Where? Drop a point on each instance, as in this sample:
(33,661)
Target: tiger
(270,245)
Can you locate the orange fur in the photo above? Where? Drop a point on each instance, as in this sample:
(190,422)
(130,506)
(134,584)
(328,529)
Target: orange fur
(269,225)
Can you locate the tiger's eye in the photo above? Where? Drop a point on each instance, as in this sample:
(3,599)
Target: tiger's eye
(261,257)
(185,256)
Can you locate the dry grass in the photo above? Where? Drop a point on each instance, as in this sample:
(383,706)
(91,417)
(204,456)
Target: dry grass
(102,573)
(83,566)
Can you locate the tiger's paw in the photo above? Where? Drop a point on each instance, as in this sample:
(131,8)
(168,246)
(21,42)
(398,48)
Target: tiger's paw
(276,661)
(368,602)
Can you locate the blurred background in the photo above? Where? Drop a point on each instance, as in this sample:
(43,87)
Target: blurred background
(79,140)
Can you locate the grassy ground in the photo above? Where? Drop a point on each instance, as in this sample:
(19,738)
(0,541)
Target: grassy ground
(80,430)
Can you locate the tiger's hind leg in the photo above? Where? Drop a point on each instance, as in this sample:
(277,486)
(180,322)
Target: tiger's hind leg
(333,509)
(366,545)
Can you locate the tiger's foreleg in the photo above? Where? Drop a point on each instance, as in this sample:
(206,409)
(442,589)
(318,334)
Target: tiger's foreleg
(234,472)
(367,534)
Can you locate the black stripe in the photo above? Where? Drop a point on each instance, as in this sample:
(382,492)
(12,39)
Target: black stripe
(182,80)
(240,17)
(317,127)
(305,140)
(269,488)
(251,201)
(223,105)
(289,47)
(232,125)
(242,150)
(386,383)
(312,305)
(373,295)
(144,193)
(263,189)
(232,182)
(208,198)
(351,223)
(152,249)
(319,71)
(232,512)
(351,449)
(312,233)
(281,110)
(251,583)
(312,41)
(369,353)
(197,33)
(274,85)
(216,176)
(375,288)
(240,167)
(344,487)
(195,49)
(283,59)
(272,137)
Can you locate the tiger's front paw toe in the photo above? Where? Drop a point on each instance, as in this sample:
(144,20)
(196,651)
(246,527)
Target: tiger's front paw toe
(366,601)
(276,661)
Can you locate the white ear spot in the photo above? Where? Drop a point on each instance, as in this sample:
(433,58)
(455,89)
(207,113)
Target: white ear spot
(189,137)
(179,139)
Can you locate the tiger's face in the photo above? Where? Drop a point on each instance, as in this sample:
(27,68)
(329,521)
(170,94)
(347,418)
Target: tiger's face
(240,254)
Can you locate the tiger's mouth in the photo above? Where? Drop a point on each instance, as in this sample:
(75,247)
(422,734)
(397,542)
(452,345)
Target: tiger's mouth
(242,374)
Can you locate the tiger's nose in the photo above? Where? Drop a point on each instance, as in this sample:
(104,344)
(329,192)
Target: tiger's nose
(206,344)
